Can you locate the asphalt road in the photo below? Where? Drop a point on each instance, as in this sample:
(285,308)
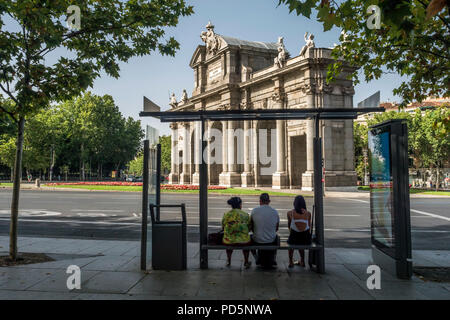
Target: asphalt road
(116,215)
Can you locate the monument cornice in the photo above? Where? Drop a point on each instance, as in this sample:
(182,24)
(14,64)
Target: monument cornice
(217,90)
(277,72)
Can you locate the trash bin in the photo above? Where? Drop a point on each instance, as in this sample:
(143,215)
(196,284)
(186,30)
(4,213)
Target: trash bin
(169,243)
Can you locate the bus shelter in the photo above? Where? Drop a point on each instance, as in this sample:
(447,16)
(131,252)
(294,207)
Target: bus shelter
(316,114)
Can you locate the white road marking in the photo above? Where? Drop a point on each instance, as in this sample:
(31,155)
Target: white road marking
(430,214)
(92,214)
(413,210)
(91,210)
(33,213)
(79,222)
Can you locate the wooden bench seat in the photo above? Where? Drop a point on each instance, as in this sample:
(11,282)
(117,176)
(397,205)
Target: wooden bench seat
(282,246)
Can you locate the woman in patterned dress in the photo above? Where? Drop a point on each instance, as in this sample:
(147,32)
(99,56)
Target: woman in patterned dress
(236,226)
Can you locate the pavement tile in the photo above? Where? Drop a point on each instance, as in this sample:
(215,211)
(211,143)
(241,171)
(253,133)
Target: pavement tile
(433,291)
(354,256)
(57,282)
(35,295)
(304,288)
(395,290)
(122,249)
(338,272)
(348,290)
(219,285)
(21,279)
(260,286)
(108,263)
(182,283)
(112,282)
(58,264)
(152,284)
(133,265)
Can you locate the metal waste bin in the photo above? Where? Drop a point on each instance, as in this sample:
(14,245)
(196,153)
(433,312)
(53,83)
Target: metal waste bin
(169,245)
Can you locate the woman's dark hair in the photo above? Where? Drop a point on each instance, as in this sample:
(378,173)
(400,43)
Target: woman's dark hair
(235,202)
(299,204)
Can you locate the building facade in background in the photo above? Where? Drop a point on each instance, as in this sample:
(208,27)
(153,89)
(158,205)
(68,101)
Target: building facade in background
(232,74)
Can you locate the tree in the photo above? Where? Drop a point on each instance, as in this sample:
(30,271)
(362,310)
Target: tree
(111,32)
(166,145)
(435,143)
(136,166)
(412,41)
(361,150)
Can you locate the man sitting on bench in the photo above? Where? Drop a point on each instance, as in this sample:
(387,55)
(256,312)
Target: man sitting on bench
(264,223)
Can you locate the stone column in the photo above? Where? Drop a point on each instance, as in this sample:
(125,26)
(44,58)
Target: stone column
(173,176)
(197,153)
(185,177)
(279,178)
(222,176)
(308,176)
(231,178)
(247,176)
(256,172)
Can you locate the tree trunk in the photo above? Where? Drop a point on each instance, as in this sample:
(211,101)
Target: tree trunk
(16,190)
(437,178)
(82,177)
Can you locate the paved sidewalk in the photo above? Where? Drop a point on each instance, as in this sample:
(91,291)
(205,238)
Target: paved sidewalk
(110,270)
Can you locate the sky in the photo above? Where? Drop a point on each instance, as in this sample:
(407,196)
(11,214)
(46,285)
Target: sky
(156,76)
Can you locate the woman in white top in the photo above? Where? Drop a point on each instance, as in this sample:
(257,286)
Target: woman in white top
(299,224)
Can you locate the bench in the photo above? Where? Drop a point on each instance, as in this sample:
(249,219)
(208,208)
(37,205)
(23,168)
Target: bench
(282,246)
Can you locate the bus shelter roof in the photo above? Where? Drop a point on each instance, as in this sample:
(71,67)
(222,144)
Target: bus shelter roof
(263,114)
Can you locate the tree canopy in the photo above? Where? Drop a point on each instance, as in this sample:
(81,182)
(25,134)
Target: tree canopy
(412,41)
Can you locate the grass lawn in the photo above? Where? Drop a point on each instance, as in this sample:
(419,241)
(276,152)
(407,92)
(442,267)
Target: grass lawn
(6,184)
(230,191)
(414,191)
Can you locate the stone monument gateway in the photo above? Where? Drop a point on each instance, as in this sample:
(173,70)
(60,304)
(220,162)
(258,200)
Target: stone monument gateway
(231,74)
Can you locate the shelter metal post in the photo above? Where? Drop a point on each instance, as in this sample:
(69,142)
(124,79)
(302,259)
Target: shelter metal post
(158,181)
(203,198)
(144,207)
(318,196)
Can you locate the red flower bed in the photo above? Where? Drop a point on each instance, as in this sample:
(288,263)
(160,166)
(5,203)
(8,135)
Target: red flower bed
(91,183)
(137,184)
(187,187)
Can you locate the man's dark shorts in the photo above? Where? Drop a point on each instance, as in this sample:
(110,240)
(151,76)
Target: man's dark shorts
(266,258)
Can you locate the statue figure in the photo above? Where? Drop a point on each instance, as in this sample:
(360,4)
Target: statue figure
(282,55)
(184,97)
(309,43)
(173,101)
(211,40)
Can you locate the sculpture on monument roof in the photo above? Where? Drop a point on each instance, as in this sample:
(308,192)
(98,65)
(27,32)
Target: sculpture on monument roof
(309,43)
(184,96)
(282,54)
(173,101)
(211,40)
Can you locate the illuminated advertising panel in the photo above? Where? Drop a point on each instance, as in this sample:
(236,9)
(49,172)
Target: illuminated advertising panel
(381,209)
